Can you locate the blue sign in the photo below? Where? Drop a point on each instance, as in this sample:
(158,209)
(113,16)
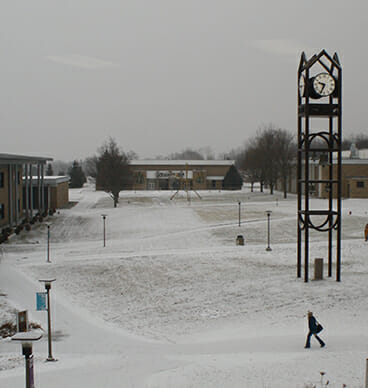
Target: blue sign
(41,301)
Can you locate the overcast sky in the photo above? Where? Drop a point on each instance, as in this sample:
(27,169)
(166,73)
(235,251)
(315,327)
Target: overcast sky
(163,75)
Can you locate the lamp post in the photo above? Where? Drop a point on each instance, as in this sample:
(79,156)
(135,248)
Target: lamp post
(26,338)
(47,284)
(239,203)
(104,228)
(48,243)
(268,212)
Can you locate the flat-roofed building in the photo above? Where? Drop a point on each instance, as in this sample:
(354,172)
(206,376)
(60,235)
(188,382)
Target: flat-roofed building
(180,174)
(354,175)
(16,173)
(55,192)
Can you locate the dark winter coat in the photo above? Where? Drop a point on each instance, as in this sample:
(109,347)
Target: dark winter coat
(312,323)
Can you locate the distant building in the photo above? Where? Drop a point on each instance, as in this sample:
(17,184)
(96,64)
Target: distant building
(181,174)
(55,192)
(25,193)
(13,207)
(354,175)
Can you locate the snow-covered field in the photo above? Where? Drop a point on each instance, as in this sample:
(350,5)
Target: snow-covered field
(171,301)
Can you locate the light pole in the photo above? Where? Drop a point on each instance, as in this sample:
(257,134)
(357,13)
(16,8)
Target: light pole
(47,288)
(48,243)
(26,338)
(104,228)
(268,212)
(239,203)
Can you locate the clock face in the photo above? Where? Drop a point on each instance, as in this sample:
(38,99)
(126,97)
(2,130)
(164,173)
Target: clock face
(324,84)
(301,86)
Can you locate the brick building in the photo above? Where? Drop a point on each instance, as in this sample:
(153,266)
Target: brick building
(180,174)
(16,172)
(25,193)
(55,192)
(354,176)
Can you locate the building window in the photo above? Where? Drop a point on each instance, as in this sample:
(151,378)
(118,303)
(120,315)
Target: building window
(2,211)
(1,179)
(360,185)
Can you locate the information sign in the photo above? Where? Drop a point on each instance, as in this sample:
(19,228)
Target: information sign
(41,301)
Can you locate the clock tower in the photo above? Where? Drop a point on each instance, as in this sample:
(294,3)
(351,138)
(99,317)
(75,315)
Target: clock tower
(319,144)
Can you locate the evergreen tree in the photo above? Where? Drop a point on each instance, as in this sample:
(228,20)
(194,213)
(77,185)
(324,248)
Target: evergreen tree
(113,173)
(49,170)
(77,176)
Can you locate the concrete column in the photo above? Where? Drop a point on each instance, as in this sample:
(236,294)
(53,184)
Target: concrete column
(26,189)
(16,189)
(30,190)
(43,207)
(39,188)
(11,199)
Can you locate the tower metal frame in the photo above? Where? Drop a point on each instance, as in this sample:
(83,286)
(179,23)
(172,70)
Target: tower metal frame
(324,145)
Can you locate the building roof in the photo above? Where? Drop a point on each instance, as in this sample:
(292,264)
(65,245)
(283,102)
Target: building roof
(50,180)
(215,178)
(182,163)
(21,159)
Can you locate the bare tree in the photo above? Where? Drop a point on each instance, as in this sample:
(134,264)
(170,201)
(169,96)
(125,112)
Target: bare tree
(267,148)
(187,154)
(251,164)
(113,172)
(49,170)
(360,140)
(286,153)
(269,157)
(90,166)
(61,168)
(207,153)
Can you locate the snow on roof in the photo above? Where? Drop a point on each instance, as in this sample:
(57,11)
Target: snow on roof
(50,180)
(362,154)
(19,159)
(182,162)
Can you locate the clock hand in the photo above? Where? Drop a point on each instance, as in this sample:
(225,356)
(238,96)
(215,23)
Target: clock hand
(323,86)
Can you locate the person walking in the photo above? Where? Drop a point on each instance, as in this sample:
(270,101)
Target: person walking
(314,328)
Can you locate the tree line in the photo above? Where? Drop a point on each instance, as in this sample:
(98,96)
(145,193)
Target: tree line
(266,158)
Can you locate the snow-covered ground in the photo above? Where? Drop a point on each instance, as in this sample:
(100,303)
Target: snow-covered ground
(171,301)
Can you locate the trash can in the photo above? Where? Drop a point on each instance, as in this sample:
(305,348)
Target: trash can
(240,240)
(318,269)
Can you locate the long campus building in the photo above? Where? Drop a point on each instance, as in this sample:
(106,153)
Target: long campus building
(180,174)
(25,192)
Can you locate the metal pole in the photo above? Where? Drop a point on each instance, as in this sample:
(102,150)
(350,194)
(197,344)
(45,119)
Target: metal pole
(239,212)
(49,358)
(27,353)
(48,243)
(339,188)
(28,372)
(104,230)
(268,231)
(366,373)
(28,380)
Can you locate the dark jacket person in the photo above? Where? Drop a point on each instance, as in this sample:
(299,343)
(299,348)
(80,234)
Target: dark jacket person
(312,324)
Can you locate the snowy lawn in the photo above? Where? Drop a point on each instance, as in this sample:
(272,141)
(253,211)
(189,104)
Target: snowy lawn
(171,272)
